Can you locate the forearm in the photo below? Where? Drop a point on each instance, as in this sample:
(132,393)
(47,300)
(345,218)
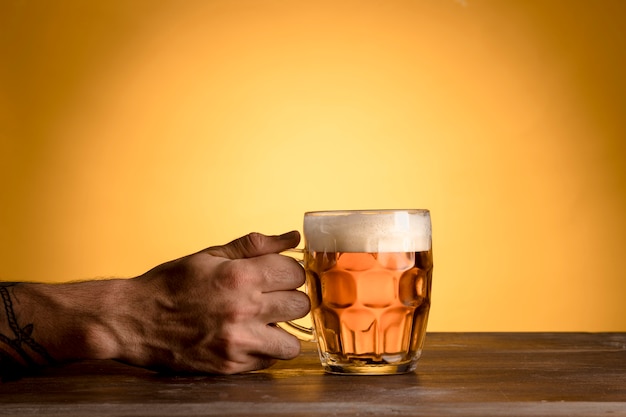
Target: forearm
(207,312)
(46,324)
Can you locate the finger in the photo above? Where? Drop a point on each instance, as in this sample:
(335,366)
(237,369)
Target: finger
(256,244)
(277,272)
(250,363)
(277,344)
(284,306)
(259,347)
(261,362)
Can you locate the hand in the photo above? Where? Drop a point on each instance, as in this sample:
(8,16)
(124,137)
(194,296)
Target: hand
(214,311)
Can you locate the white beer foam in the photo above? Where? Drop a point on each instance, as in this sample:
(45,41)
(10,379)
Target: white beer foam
(363,231)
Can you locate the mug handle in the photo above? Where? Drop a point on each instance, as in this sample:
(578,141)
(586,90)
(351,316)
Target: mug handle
(303,333)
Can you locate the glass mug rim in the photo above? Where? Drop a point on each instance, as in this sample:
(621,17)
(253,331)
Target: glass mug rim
(364,211)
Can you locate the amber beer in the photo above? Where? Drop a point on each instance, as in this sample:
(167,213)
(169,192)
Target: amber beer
(369,278)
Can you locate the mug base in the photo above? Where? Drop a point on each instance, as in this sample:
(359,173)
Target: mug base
(333,364)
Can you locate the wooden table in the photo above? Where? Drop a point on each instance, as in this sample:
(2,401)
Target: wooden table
(460,374)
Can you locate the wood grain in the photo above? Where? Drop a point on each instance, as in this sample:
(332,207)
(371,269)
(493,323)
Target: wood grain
(461,374)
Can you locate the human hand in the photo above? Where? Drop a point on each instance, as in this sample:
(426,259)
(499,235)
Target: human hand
(214,311)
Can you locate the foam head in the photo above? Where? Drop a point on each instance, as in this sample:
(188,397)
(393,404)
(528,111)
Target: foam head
(368,231)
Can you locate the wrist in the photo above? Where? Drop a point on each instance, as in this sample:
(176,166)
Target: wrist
(72,321)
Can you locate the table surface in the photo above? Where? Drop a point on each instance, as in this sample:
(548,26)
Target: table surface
(460,374)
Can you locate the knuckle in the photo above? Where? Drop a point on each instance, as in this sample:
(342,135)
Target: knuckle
(228,367)
(254,241)
(231,343)
(239,311)
(233,350)
(235,275)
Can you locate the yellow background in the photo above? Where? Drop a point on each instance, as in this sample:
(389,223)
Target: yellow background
(134,132)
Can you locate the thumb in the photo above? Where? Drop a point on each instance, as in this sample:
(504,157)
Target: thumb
(256,244)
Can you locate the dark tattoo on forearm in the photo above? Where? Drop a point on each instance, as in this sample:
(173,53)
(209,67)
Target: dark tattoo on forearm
(19,354)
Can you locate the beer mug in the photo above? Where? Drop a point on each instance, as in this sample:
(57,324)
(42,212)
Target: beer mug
(369,279)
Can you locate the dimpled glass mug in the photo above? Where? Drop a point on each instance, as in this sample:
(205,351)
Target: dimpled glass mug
(369,279)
